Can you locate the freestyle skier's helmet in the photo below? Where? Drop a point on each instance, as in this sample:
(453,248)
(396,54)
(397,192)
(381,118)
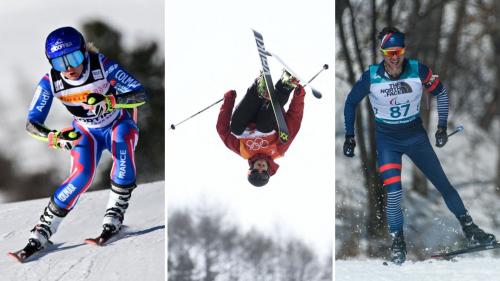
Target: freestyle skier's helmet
(65,47)
(257,178)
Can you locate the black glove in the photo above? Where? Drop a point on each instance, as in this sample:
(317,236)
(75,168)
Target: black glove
(349,146)
(441,136)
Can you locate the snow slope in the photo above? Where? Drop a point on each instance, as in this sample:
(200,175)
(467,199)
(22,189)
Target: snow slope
(139,253)
(465,269)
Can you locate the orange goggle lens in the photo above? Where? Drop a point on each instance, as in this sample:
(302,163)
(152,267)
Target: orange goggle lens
(393,52)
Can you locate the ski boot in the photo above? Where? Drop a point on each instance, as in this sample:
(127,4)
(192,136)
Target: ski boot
(398,248)
(288,80)
(41,233)
(473,233)
(115,212)
(261,87)
(48,223)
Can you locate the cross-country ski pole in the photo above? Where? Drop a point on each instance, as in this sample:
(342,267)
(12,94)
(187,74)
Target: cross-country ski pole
(172,126)
(325,67)
(457,130)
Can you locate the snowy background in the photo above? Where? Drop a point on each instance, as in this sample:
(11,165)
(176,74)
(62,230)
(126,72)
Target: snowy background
(464,269)
(210,50)
(138,253)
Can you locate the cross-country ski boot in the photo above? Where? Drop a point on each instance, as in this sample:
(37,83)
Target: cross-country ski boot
(41,233)
(398,248)
(473,233)
(115,213)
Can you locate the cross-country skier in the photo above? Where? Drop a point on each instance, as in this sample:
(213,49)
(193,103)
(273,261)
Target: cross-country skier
(251,130)
(96,91)
(395,88)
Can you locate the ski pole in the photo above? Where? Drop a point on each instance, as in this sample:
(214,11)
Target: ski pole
(458,129)
(172,126)
(325,67)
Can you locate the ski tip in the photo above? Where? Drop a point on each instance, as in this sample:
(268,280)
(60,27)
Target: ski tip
(93,241)
(15,257)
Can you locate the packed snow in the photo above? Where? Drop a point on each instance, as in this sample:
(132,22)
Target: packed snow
(138,253)
(463,269)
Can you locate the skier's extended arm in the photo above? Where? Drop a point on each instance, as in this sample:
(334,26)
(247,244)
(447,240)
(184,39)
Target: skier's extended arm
(38,111)
(360,89)
(293,116)
(435,87)
(224,120)
(129,92)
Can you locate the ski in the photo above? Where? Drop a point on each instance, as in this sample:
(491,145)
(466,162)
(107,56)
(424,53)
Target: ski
(25,253)
(316,93)
(278,112)
(472,249)
(104,237)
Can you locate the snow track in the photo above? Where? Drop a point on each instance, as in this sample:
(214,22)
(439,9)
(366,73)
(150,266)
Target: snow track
(138,253)
(470,268)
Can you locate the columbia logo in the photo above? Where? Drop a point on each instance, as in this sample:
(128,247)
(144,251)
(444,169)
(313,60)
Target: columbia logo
(58,85)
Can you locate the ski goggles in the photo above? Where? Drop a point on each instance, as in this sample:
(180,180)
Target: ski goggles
(393,52)
(73,59)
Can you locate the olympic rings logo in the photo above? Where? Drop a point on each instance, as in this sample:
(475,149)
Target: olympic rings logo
(257,143)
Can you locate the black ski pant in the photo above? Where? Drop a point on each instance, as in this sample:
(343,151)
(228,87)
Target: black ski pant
(258,110)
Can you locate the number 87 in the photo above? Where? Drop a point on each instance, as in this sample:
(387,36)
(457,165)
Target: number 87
(396,110)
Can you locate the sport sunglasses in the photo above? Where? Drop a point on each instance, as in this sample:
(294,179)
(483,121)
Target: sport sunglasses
(73,59)
(393,52)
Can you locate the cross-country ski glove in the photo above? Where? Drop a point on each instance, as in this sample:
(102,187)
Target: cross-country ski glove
(349,145)
(441,136)
(66,138)
(99,104)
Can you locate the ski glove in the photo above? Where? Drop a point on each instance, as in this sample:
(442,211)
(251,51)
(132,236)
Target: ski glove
(99,104)
(230,94)
(441,136)
(66,138)
(299,90)
(349,146)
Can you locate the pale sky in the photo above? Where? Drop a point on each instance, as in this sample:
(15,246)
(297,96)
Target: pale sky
(210,49)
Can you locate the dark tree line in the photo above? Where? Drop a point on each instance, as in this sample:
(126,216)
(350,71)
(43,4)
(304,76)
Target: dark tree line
(146,62)
(204,246)
(458,39)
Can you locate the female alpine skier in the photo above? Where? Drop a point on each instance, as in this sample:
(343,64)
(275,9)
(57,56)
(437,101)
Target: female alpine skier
(96,91)
(395,88)
(251,130)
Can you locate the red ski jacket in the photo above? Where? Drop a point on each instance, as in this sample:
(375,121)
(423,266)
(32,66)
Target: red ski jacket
(255,145)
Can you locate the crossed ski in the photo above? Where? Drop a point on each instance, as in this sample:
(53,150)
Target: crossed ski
(278,112)
(472,249)
(277,109)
